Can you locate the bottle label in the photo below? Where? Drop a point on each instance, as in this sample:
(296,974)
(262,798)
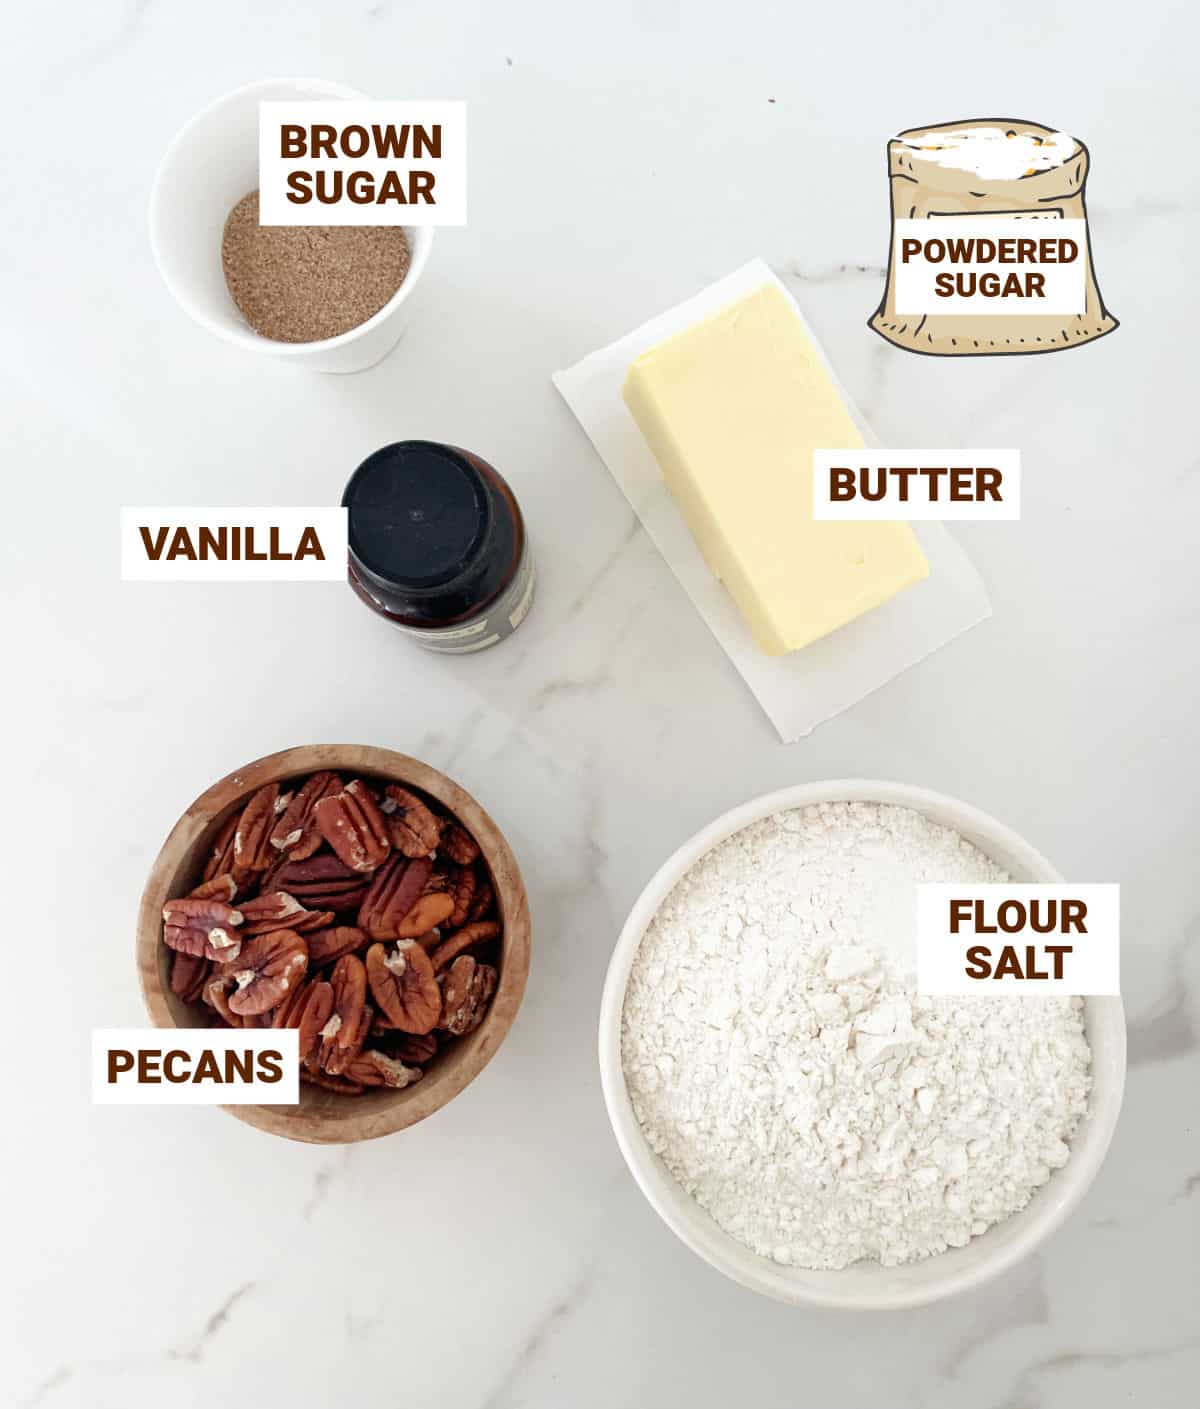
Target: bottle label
(501,618)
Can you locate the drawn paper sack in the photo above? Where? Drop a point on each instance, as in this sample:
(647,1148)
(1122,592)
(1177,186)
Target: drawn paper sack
(989,168)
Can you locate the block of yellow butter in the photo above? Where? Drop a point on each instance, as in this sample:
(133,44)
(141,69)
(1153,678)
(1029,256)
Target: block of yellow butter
(733,409)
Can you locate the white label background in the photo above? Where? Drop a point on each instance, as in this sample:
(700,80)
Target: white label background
(1064,289)
(918,507)
(330,524)
(1093,966)
(449,170)
(128,1091)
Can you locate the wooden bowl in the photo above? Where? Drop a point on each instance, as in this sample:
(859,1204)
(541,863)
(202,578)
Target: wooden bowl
(326,1117)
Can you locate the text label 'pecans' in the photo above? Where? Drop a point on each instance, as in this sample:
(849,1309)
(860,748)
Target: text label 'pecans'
(1017,937)
(194,1067)
(233,544)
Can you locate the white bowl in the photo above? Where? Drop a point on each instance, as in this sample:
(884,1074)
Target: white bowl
(864,1285)
(209,166)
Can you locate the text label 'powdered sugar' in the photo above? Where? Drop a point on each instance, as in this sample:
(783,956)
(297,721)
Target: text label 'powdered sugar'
(917,484)
(136,1066)
(233,544)
(362,163)
(1015,938)
(1020,264)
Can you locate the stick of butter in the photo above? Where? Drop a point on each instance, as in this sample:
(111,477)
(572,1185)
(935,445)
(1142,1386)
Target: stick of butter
(733,409)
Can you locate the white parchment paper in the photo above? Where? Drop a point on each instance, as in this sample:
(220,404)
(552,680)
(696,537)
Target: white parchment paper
(800,690)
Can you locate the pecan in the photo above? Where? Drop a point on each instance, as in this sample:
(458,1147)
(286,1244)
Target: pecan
(286,1012)
(296,833)
(220,858)
(277,910)
(216,995)
(484,898)
(322,881)
(414,1048)
(342,1036)
(352,824)
(222,887)
(466,993)
(202,928)
(459,845)
(189,973)
(324,946)
(462,883)
(314,1013)
(268,966)
(429,912)
(372,1068)
(330,1083)
(404,986)
(251,841)
(395,888)
(414,830)
(453,945)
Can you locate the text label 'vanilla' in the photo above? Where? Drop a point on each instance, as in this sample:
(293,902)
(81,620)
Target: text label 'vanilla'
(233,544)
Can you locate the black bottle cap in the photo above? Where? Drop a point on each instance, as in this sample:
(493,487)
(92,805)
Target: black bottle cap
(431,536)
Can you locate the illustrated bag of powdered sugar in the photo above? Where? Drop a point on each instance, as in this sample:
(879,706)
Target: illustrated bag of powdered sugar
(992,168)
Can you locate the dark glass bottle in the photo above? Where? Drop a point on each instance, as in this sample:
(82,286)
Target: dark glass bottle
(437,545)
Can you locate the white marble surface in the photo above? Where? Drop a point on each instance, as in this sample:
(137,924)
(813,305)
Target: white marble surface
(499,1255)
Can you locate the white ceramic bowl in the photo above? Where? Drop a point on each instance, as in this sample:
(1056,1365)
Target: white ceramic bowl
(207,169)
(865,1285)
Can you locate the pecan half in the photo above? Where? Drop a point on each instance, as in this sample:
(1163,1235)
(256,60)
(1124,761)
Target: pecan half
(324,946)
(462,884)
(414,1048)
(189,974)
(322,881)
(286,1013)
(220,858)
(202,928)
(330,1083)
(352,824)
(485,898)
(268,966)
(251,840)
(277,910)
(343,1035)
(430,911)
(373,1068)
(395,889)
(404,986)
(413,828)
(466,992)
(222,887)
(314,1013)
(459,845)
(453,945)
(216,995)
(296,833)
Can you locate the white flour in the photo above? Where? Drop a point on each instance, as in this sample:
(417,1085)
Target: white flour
(783,1068)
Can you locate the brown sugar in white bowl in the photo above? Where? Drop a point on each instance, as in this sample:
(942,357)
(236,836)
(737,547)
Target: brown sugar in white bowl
(329,1117)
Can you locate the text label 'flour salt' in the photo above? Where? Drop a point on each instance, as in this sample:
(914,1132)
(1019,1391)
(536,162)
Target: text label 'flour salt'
(1012,937)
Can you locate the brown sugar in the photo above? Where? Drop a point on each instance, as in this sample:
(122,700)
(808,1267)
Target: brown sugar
(302,283)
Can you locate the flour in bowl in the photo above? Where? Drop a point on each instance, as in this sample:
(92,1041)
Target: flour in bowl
(782,1066)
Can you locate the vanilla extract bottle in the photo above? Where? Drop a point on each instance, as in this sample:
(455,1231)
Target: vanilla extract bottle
(438,546)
